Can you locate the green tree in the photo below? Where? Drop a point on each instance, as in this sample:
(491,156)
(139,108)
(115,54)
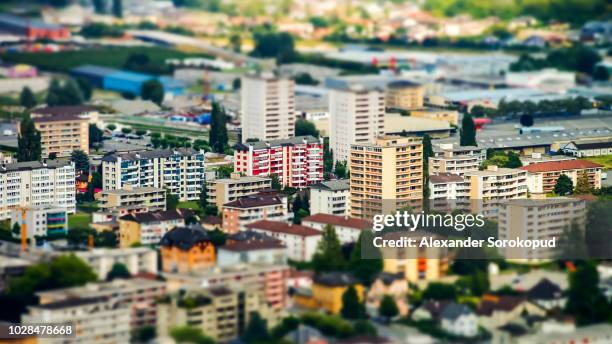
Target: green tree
(340,169)
(365,268)
(126,130)
(111,127)
(601,73)
(236,84)
(364,328)
(467,132)
(328,158)
(187,334)
(276,185)
(28,141)
(99,6)
(514,161)
(388,307)
(439,291)
(144,334)
(153,90)
(427,153)
(304,127)
(305,79)
(526,120)
(118,270)
(69,270)
(572,243)
(218,138)
(67,93)
(27,98)
(80,160)
(235,42)
(328,256)
(272,44)
(582,185)
(584,298)
(256,330)
(287,325)
(564,185)
(118,8)
(225,171)
(172,200)
(95,136)
(203,199)
(54,93)
(16,229)
(352,308)
(85,87)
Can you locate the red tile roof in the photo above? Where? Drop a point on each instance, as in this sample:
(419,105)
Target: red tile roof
(336,220)
(253,245)
(281,227)
(560,166)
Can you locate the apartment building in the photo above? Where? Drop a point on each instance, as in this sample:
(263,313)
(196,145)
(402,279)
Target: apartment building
(34,183)
(327,291)
(138,294)
(245,210)
(300,241)
(446,115)
(330,197)
(136,259)
(404,95)
(490,187)
(148,228)
(385,175)
(62,134)
(187,249)
(265,250)
(271,280)
(450,158)
(130,197)
(543,176)
(417,265)
(347,228)
(539,219)
(447,186)
(221,191)
(221,312)
(180,171)
(268,107)
(297,162)
(356,116)
(96,319)
(40,221)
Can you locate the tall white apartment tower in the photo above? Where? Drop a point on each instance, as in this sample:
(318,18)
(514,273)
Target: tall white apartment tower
(268,107)
(356,117)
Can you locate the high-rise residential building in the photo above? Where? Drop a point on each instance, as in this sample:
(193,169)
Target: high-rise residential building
(356,116)
(139,294)
(221,191)
(95,319)
(405,95)
(297,162)
(130,197)
(64,129)
(543,175)
(271,280)
(42,220)
(330,197)
(386,175)
(149,227)
(34,183)
(268,107)
(221,312)
(449,158)
(490,187)
(539,219)
(180,171)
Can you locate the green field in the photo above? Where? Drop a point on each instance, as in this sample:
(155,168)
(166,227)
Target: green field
(193,205)
(79,220)
(113,57)
(605,160)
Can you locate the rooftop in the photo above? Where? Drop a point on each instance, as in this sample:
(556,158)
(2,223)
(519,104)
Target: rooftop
(276,143)
(64,110)
(152,154)
(71,302)
(157,216)
(253,201)
(453,311)
(253,245)
(184,237)
(443,178)
(332,185)
(336,220)
(58,118)
(335,279)
(131,191)
(282,227)
(34,165)
(564,165)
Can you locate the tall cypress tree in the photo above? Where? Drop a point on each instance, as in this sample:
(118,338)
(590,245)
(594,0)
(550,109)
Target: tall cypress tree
(427,153)
(218,130)
(468,131)
(28,141)
(27,98)
(329,252)
(118,8)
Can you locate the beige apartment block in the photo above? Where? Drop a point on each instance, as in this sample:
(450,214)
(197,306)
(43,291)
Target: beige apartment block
(356,116)
(490,187)
(221,191)
(268,107)
(385,175)
(145,197)
(404,95)
(450,116)
(62,134)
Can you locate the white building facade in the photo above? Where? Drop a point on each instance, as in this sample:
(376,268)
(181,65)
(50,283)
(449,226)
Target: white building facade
(330,197)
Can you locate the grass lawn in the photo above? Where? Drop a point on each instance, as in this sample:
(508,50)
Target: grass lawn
(113,57)
(79,220)
(605,160)
(189,205)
